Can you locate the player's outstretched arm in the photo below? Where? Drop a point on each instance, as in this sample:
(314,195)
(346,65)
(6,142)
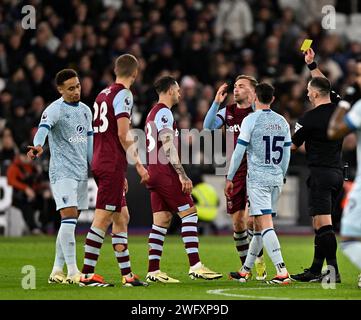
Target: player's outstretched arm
(211,121)
(36,150)
(166,136)
(127,141)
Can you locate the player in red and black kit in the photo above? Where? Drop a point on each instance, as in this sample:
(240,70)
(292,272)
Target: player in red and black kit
(232,116)
(169,187)
(112,143)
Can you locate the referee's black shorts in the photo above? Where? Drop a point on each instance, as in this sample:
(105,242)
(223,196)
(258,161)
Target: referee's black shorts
(324,187)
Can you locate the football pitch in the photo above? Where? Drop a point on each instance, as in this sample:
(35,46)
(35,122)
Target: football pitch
(217,252)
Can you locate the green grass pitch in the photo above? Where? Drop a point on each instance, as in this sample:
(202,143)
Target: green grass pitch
(217,252)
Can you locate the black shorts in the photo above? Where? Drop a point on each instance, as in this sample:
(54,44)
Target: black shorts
(324,187)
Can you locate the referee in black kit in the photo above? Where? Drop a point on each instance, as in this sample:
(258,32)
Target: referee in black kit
(325,182)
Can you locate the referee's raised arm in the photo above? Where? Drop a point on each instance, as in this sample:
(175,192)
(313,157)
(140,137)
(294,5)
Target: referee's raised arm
(325,181)
(312,64)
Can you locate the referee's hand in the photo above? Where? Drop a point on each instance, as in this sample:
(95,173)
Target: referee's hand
(309,56)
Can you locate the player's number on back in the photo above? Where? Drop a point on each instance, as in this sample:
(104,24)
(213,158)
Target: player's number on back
(151,141)
(102,113)
(275,148)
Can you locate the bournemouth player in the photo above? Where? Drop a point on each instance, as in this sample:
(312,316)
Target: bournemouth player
(232,116)
(266,137)
(67,124)
(169,186)
(112,143)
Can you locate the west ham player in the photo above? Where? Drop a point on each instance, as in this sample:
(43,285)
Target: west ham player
(266,136)
(169,187)
(232,116)
(112,143)
(340,125)
(67,123)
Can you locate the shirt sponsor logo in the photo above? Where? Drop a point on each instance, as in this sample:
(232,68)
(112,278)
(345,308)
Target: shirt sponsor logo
(77,139)
(234,128)
(229,117)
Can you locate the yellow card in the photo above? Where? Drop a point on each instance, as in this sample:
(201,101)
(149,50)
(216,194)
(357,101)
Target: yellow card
(306,45)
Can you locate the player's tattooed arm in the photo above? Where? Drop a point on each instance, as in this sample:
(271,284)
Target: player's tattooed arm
(172,156)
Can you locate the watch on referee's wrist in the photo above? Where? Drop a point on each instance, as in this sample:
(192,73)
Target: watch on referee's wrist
(344,105)
(312,66)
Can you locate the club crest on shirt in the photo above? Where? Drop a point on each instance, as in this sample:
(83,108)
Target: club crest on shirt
(164,119)
(80,129)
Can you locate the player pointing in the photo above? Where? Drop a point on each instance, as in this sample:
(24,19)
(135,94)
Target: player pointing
(67,124)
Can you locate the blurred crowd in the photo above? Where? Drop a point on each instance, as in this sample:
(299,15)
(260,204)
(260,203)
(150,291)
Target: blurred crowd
(201,43)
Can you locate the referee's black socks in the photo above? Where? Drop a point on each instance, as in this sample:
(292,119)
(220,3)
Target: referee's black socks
(325,247)
(319,255)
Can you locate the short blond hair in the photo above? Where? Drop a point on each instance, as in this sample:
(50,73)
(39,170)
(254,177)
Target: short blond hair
(126,65)
(251,79)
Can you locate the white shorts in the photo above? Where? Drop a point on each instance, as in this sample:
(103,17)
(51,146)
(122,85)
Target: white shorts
(262,199)
(70,193)
(351,218)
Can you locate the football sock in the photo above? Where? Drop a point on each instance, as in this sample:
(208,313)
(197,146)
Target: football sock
(328,243)
(254,248)
(67,241)
(190,237)
(318,256)
(93,243)
(242,244)
(155,242)
(273,248)
(250,235)
(122,256)
(352,249)
(59,257)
